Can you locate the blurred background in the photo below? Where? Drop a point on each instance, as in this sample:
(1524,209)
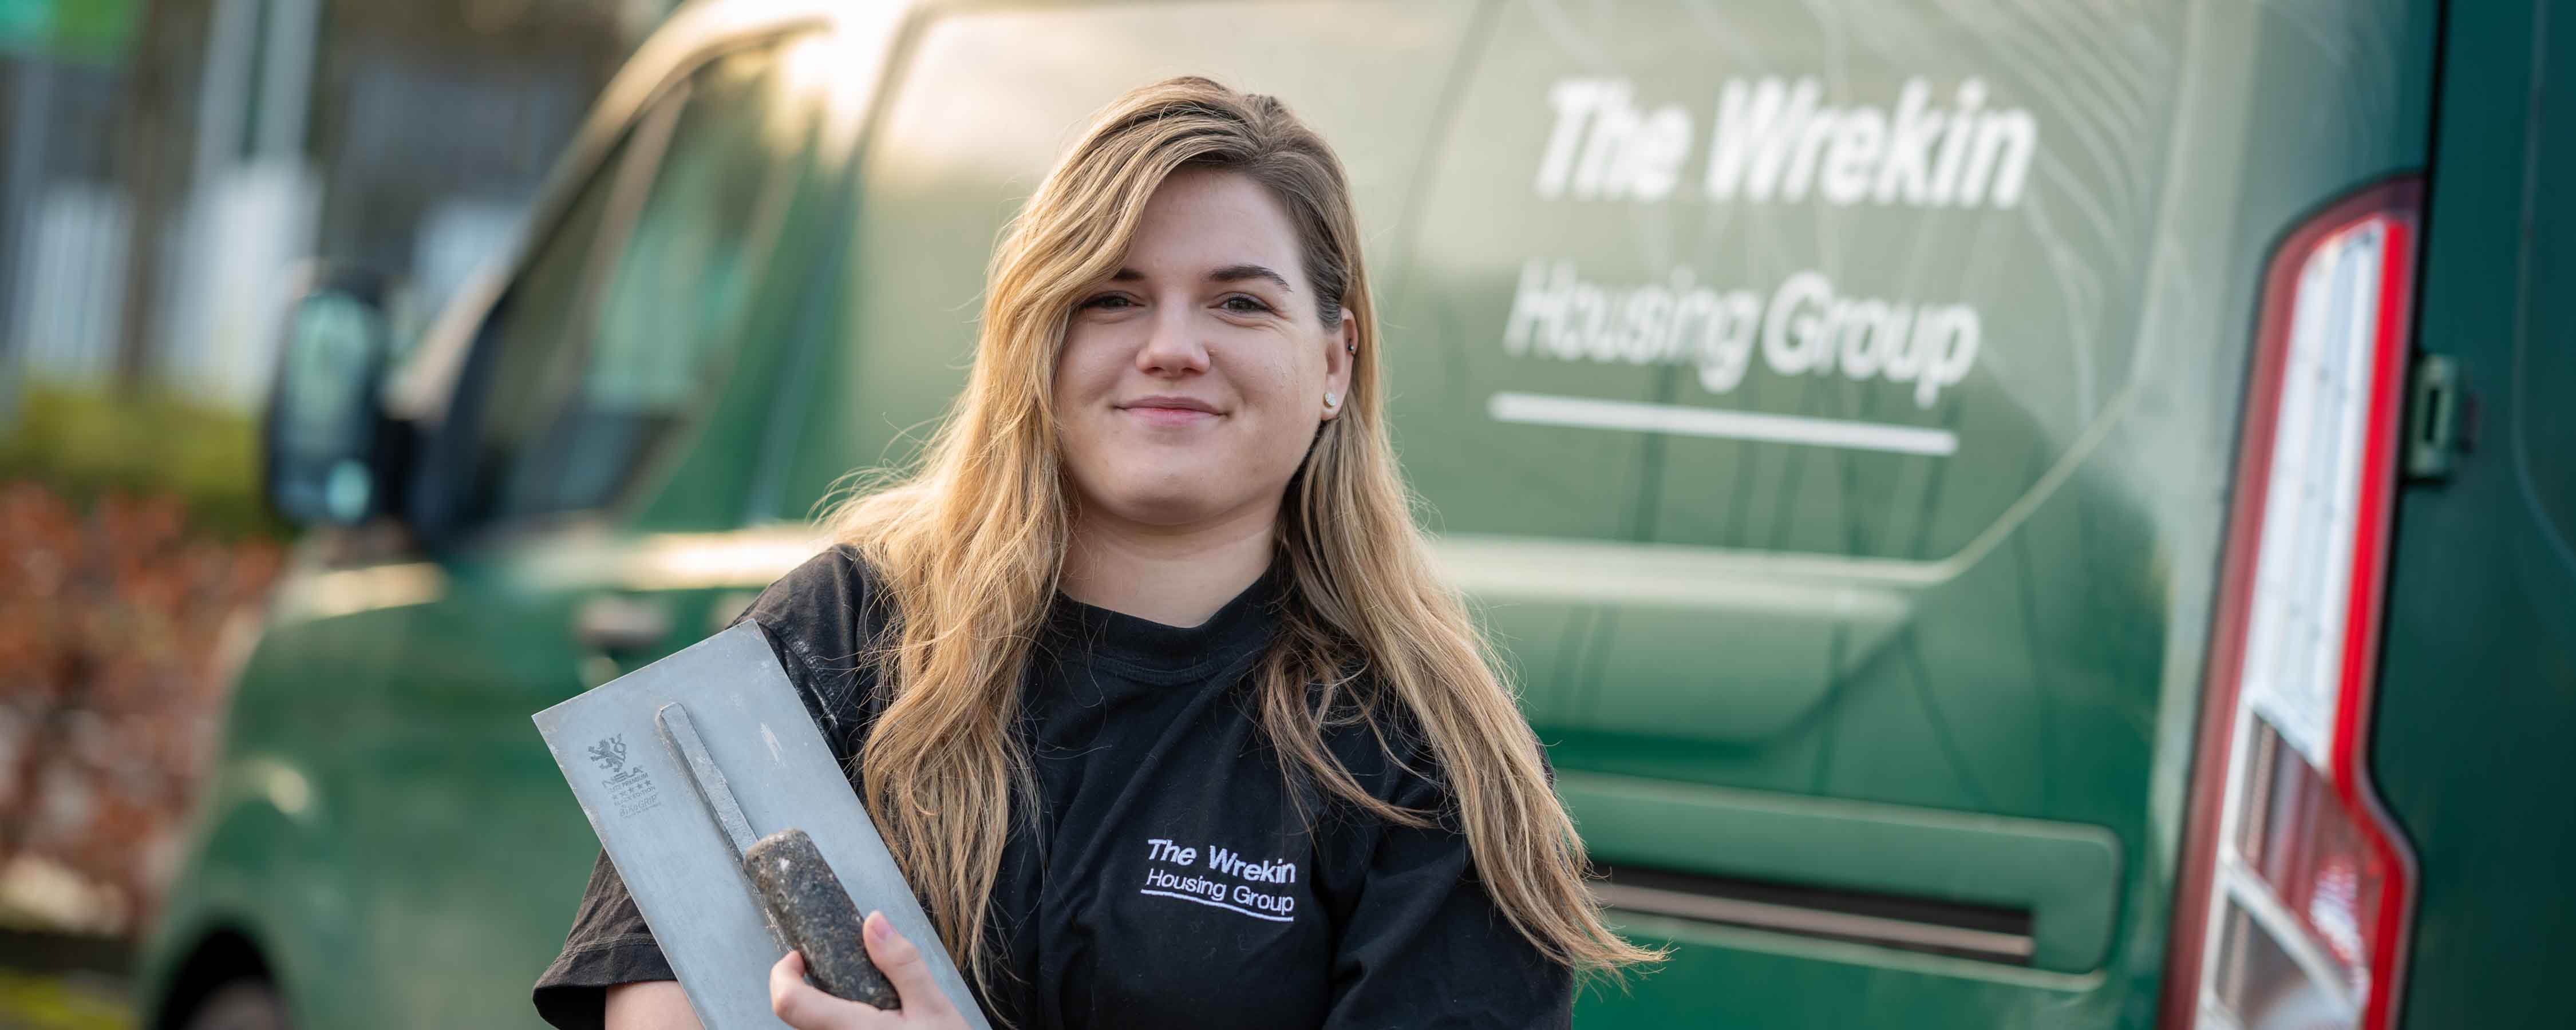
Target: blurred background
(164,164)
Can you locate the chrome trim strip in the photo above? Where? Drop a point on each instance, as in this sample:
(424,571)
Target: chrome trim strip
(1810,921)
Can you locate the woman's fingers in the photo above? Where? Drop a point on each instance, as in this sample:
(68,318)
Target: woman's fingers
(902,965)
(800,1005)
(788,993)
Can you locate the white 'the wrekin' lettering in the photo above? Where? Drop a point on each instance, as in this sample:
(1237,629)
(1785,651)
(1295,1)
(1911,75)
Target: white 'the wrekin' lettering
(1775,138)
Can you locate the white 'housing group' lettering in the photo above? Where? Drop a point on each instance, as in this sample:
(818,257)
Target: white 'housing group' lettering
(1776,138)
(1239,897)
(1803,328)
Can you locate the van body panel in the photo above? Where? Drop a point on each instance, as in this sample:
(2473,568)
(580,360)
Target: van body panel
(457,807)
(270,848)
(1742,581)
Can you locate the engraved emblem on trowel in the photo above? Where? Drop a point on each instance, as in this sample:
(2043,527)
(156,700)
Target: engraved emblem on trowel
(808,909)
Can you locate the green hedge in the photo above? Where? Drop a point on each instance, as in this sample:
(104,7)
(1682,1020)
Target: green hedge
(87,442)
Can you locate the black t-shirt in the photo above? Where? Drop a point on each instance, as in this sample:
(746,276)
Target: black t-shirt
(1170,880)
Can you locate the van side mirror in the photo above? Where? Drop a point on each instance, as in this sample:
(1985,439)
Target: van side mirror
(329,455)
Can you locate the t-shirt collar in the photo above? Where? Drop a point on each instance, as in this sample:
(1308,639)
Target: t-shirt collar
(1241,622)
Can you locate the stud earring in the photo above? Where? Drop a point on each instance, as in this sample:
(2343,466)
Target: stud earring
(1331,400)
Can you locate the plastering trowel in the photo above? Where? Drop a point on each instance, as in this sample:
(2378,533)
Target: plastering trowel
(680,765)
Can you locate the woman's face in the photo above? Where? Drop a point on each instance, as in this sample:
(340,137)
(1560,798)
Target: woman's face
(1192,381)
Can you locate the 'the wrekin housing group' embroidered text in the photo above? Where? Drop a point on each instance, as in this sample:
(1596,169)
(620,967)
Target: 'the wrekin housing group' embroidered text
(1215,887)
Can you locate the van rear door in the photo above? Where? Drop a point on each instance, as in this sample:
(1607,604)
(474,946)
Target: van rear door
(2477,679)
(1833,407)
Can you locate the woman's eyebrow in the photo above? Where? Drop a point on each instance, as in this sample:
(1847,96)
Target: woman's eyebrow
(1227,274)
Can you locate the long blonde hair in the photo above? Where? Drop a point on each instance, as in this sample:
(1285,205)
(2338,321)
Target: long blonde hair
(968,545)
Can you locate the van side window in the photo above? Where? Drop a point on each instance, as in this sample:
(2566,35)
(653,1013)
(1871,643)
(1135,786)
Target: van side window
(611,346)
(500,393)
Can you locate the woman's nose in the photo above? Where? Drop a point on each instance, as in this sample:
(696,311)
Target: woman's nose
(1174,345)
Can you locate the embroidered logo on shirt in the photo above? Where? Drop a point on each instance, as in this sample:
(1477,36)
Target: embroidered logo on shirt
(1227,883)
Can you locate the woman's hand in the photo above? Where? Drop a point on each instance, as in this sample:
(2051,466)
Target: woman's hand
(925,1006)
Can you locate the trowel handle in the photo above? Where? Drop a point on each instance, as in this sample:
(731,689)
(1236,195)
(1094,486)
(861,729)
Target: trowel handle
(815,914)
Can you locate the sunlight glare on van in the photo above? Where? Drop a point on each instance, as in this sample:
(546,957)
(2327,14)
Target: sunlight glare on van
(836,71)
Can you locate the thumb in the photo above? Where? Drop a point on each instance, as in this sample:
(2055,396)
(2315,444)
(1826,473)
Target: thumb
(902,965)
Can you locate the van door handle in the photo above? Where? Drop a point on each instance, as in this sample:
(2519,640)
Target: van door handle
(621,623)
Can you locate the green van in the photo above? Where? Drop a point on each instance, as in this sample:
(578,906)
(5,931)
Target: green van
(2006,514)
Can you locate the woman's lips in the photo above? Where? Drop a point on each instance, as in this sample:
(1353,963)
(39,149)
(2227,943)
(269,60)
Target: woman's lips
(1155,415)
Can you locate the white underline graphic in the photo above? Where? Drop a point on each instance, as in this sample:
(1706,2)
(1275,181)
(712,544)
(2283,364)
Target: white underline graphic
(1594,413)
(1220,904)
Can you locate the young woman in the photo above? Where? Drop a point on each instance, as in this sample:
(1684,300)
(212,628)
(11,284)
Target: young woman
(1143,672)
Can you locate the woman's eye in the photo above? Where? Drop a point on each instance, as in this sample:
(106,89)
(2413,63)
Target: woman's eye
(1256,305)
(1104,300)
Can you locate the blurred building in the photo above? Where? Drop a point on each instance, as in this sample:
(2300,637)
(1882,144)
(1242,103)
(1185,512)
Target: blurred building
(166,164)
(165,168)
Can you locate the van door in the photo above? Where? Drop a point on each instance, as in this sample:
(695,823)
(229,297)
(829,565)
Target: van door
(1830,405)
(606,428)
(2477,678)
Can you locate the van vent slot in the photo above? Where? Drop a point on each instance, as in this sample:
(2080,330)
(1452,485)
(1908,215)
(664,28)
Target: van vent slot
(1982,932)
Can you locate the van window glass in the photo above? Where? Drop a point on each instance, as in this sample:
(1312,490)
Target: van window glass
(674,290)
(503,393)
(634,351)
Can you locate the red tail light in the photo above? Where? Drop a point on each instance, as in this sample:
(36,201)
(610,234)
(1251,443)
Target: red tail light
(2295,886)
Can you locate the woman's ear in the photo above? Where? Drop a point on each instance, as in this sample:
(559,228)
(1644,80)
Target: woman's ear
(1338,356)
